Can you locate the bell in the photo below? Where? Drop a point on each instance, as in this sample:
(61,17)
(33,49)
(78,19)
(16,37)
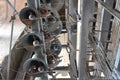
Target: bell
(31,41)
(54,24)
(55,47)
(28,15)
(35,67)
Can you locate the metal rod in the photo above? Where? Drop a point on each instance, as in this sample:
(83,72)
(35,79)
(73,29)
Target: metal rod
(40,27)
(14,9)
(11,39)
(114,12)
(99,35)
(62,68)
(6,15)
(102,31)
(10,48)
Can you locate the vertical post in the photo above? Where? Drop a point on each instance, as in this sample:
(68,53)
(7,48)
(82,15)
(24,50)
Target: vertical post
(87,16)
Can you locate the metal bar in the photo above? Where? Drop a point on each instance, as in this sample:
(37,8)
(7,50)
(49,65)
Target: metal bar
(102,31)
(63,68)
(10,49)
(11,39)
(114,12)
(14,9)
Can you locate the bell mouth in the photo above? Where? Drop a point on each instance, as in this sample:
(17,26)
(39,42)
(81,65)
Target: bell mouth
(25,14)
